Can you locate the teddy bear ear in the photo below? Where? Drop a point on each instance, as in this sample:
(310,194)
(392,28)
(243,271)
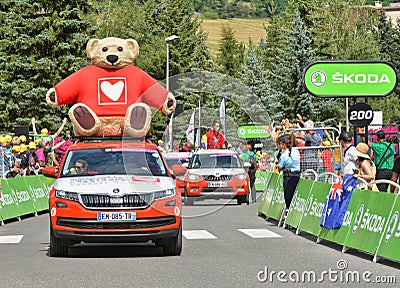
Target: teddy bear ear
(90,46)
(134,47)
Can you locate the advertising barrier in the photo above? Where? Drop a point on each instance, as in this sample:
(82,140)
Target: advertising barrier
(315,205)
(299,203)
(278,201)
(390,240)
(262,178)
(24,195)
(266,197)
(370,220)
(339,235)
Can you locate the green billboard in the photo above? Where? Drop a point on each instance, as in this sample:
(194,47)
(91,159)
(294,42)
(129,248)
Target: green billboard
(253,131)
(350,78)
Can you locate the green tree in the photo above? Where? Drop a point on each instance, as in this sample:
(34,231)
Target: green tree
(288,94)
(41,42)
(230,52)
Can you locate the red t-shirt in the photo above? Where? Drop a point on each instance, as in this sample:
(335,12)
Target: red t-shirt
(110,92)
(215,139)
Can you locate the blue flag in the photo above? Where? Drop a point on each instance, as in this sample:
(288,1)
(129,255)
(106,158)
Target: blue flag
(337,202)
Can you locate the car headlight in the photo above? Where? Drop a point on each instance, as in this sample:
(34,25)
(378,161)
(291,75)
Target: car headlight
(164,194)
(73,196)
(193,177)
(241,176)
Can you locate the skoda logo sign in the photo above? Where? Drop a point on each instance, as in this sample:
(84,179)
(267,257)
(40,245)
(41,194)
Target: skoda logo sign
(318,78)
(116,190)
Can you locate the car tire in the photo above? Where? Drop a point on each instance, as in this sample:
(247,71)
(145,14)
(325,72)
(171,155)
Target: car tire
(173,246)
(241,199)
(58,248)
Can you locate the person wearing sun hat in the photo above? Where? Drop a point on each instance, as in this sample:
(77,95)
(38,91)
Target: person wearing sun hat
(365,168)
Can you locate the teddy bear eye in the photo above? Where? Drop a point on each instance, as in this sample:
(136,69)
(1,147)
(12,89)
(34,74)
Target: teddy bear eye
(120,49)
(104,49)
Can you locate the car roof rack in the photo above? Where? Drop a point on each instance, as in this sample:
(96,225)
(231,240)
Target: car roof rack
(106,138)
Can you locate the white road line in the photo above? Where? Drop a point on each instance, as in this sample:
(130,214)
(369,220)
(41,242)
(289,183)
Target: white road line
(259,233)
(198,234)
(11,239)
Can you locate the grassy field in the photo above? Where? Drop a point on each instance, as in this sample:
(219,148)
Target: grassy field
(245,29)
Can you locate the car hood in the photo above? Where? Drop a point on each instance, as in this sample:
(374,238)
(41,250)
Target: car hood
(216,171)
(107,184)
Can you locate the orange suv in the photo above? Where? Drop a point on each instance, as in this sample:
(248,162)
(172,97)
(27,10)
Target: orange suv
(114,192)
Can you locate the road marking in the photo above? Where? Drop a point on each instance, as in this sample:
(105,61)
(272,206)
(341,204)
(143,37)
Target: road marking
(11,239)
(259,233)
(198,234)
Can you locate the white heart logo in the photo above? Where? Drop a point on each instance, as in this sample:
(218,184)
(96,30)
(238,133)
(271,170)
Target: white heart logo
(112,91)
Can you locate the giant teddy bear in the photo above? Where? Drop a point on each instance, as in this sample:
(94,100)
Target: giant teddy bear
(112,96)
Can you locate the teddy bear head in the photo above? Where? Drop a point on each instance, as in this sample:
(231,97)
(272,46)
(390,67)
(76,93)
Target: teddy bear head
(111,52)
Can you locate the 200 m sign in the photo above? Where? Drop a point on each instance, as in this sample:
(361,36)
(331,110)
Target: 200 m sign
(360,114)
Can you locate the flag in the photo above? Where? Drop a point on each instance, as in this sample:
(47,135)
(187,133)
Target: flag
(222,117)
(337,202)
(169,133)
(198,134)
(190,130)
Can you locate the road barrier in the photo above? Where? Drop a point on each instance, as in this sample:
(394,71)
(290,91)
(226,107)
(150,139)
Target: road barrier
(24,195)
(371,223)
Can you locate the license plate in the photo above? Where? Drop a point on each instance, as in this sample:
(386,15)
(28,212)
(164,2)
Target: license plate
(116,216)
(217,184)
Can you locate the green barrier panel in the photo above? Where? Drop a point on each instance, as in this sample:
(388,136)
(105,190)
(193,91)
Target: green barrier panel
(261,179)
(370,220)
(339,235)
(299,202)
(38,192)
(278,201)
(390,241)
(21,196)
(267,193)
(47,183)
(315,205)
(9,208)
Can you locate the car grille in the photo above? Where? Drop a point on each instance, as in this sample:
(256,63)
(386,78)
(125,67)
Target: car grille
(218,178)
(125,201)
(94,224)
(217,189)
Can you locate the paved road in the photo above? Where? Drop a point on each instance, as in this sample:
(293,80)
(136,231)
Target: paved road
(223,246)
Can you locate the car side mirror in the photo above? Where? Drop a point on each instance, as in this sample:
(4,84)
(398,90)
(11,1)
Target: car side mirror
(50,171)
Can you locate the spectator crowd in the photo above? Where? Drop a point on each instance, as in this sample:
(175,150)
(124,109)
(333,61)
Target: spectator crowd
(24,155)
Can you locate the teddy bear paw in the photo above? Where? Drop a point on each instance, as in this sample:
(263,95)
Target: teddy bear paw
(84,119)
(137,120)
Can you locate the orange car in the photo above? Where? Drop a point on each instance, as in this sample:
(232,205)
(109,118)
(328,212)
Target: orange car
(179,158)
(114,192)
(215,174)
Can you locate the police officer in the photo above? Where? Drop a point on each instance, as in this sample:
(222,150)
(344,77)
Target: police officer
(289,164)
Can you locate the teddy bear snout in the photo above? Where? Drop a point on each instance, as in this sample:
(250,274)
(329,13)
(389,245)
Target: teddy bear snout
(112,58)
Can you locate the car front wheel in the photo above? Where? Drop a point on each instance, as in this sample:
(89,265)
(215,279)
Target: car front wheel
(58,248)
(173,246)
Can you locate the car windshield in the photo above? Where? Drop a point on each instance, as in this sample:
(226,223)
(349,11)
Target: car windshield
(113,161)
(176,160)
(215,161)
